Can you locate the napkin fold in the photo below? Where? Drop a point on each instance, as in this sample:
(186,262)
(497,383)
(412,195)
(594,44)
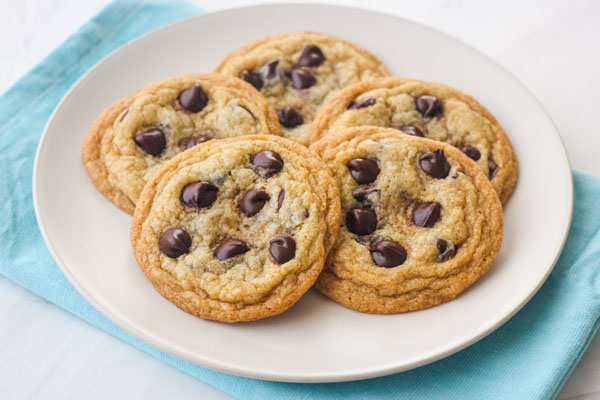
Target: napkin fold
(529,357)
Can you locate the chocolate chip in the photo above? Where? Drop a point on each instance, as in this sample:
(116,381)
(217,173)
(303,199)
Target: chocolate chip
(311,56)
(302,79)
(280,199)
(174,242)
(193,99)
(267,161)
(272,70)
(269,73)
(429,106)
(388,253)
(493,168)
(253,201)
(354,105)
(152,142)
(230,248)
(282,249)
(471,151)
(363,170)
(446,249)
(289,117)
(426,214)
(362,222)
(190,141)
(361,193)
(199,194)
(435,164)
(252,78)
(412,130)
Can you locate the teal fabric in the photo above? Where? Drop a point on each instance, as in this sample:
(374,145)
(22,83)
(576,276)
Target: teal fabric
(529,357)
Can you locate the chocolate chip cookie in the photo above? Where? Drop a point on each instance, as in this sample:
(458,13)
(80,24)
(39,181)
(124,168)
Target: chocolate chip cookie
(237,229)
(132,138)
(422,221)
(430,110)
(298,71)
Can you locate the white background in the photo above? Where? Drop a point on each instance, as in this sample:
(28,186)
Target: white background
(552,46)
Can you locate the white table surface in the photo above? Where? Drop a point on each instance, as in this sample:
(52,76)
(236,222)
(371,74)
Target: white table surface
(551,46)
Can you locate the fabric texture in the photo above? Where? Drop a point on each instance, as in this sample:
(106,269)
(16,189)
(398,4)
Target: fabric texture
(529,357)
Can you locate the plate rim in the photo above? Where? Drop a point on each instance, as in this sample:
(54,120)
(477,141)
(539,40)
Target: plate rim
(172,348)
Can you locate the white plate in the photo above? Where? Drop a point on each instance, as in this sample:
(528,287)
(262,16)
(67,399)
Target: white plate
(317,340)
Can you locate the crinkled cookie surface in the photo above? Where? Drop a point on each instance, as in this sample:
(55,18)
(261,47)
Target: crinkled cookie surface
(420,221)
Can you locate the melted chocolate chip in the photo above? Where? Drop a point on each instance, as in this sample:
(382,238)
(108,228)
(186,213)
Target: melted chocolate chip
(446,249)
(230,248)
(193,99)
(252,78)
(280,199)
(272,70)
(289,117)
(426,214)
(152,142)
(360,221)
(361,193)
(282,249)
(429,106)
(311,56)
(190,141)
(269,73)
(388,253)
(174,242)
(267,161)
(363,170)
(412,130)
(354,105)
(435,164)
(493,168)
(199,194)
(302,79)
(253,201)
(471,151)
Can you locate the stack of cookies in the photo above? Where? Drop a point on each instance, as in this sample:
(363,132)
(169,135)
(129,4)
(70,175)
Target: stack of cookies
(394,206)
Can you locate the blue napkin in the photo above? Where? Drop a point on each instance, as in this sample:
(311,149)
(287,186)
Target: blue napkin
(529,357)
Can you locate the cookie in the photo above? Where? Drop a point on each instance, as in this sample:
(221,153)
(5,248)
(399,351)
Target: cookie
(133,137)
(237,229)
(421,221)
(430,110)
(298,71)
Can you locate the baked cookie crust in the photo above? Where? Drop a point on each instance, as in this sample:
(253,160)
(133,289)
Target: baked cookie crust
(228,270)
(297,72)
(117,164)
(455,118)
(422,221)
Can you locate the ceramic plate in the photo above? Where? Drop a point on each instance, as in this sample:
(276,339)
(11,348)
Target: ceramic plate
(317,339)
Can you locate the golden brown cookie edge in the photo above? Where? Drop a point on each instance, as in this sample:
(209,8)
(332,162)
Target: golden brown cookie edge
(91,155)
(377,65)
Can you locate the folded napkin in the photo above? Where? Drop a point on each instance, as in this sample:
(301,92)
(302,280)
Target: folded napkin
(529,357)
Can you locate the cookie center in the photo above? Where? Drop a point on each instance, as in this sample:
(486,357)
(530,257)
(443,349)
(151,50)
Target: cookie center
(247,217)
